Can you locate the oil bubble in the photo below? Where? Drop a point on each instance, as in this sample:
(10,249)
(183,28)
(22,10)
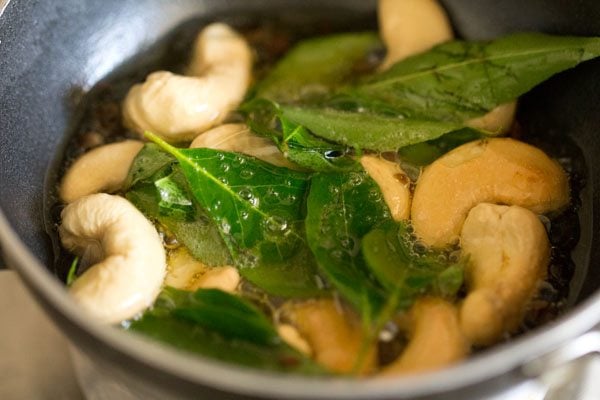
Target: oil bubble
(276,224)
(288,200)
(246,193)
(374,195)
(355,179)
(224,167)
(225,226)
(247,260)
(246,174)
(337,254)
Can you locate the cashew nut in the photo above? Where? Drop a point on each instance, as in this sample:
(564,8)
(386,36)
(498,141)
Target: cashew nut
(292,337)
(498,170)
(408,27)
(126,249)
(498,121)
(509,253)
(102,169)
(435,341)
(393,183)
(225,278)
(335,335)
(178,107)
(186,273)
(239,138)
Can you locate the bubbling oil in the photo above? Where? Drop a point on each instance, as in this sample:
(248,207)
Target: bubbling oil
(99,121)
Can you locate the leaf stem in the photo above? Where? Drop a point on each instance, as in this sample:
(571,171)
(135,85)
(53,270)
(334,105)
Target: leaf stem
(72,275)
(163,145)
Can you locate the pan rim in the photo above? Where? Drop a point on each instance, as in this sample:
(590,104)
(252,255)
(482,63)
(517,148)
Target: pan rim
(495,362)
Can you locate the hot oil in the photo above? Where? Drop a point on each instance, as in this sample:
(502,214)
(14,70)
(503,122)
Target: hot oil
(97,117)
(98,120)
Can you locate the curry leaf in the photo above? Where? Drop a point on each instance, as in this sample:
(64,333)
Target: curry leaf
(366,130)
(222,326)
(229,315)
(436,92)
(174,200)
(459,80)
(72,274)
(401,263)
(258,209)
(199,235)
(314,153)
(426,152)
(146,164)
(295,142)
(341,209)
(315,66)
(191,226)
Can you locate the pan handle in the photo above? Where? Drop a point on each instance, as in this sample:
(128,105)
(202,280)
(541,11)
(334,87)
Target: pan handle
(572,371)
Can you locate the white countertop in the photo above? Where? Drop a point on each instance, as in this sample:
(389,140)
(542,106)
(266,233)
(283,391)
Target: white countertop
(35,363)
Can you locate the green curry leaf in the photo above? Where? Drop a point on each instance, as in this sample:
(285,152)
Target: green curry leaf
(295,142)
(425,153)
(400,263)
(312,152)
(149,161)
(219,325)
(258,209)
(366,130)
(459,80)
(430,94)
(174,199)
(315,66)
(190,225)
(341,209)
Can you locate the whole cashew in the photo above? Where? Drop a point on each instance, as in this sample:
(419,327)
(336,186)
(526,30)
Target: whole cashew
(177,107)
(239,138)
(126,249)
(409,27)
(102,169)
(335,335)
(393,183)
(186,273)
(497,170)
(509,253)
(435,339)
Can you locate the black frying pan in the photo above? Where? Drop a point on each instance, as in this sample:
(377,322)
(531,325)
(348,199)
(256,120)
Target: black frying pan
(52,52)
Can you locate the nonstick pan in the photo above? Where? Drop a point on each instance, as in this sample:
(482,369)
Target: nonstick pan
(52,56)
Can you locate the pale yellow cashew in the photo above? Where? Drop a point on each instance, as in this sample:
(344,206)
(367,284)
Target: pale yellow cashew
(238,138)
(102,169)
(176,107)
(393,183)
(126,252)
(186,273)
(499,170)
(435,339)
(225,278)
(498,121)
(509,253)
(292,337)
(334,334)
(409,27)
